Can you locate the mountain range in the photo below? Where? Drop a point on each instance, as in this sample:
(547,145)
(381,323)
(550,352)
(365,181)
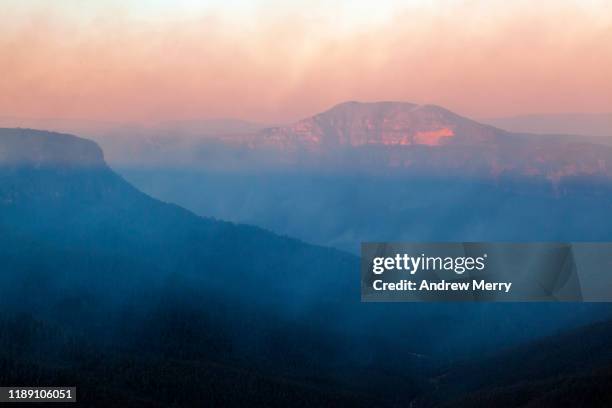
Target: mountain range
(409,172)
(142,303)
(369,138)
(365,137)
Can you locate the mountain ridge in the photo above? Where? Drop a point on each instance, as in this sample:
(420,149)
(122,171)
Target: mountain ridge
(374,137)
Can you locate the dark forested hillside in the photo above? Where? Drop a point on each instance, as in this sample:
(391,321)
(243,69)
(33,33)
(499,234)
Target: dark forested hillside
(569,369)
(94,270)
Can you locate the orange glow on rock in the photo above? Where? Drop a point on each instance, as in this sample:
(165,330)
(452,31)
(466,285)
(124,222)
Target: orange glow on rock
(433,137)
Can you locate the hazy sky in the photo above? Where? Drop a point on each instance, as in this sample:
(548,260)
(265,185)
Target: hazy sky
(277,61)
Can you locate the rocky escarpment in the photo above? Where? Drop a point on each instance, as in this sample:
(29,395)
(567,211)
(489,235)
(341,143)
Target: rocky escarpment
(37,148)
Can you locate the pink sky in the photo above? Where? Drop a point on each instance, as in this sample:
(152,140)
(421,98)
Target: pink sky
(272,62)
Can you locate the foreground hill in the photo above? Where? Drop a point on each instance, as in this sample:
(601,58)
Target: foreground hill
(58,191)
(91,265)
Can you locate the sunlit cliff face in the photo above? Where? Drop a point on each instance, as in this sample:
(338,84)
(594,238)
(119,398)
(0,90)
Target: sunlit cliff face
(433,137)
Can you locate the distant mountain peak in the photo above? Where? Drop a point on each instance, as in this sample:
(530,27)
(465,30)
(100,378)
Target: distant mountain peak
(379,123)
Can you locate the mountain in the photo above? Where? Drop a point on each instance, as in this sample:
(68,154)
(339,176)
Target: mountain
(354,124)
(597,125)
